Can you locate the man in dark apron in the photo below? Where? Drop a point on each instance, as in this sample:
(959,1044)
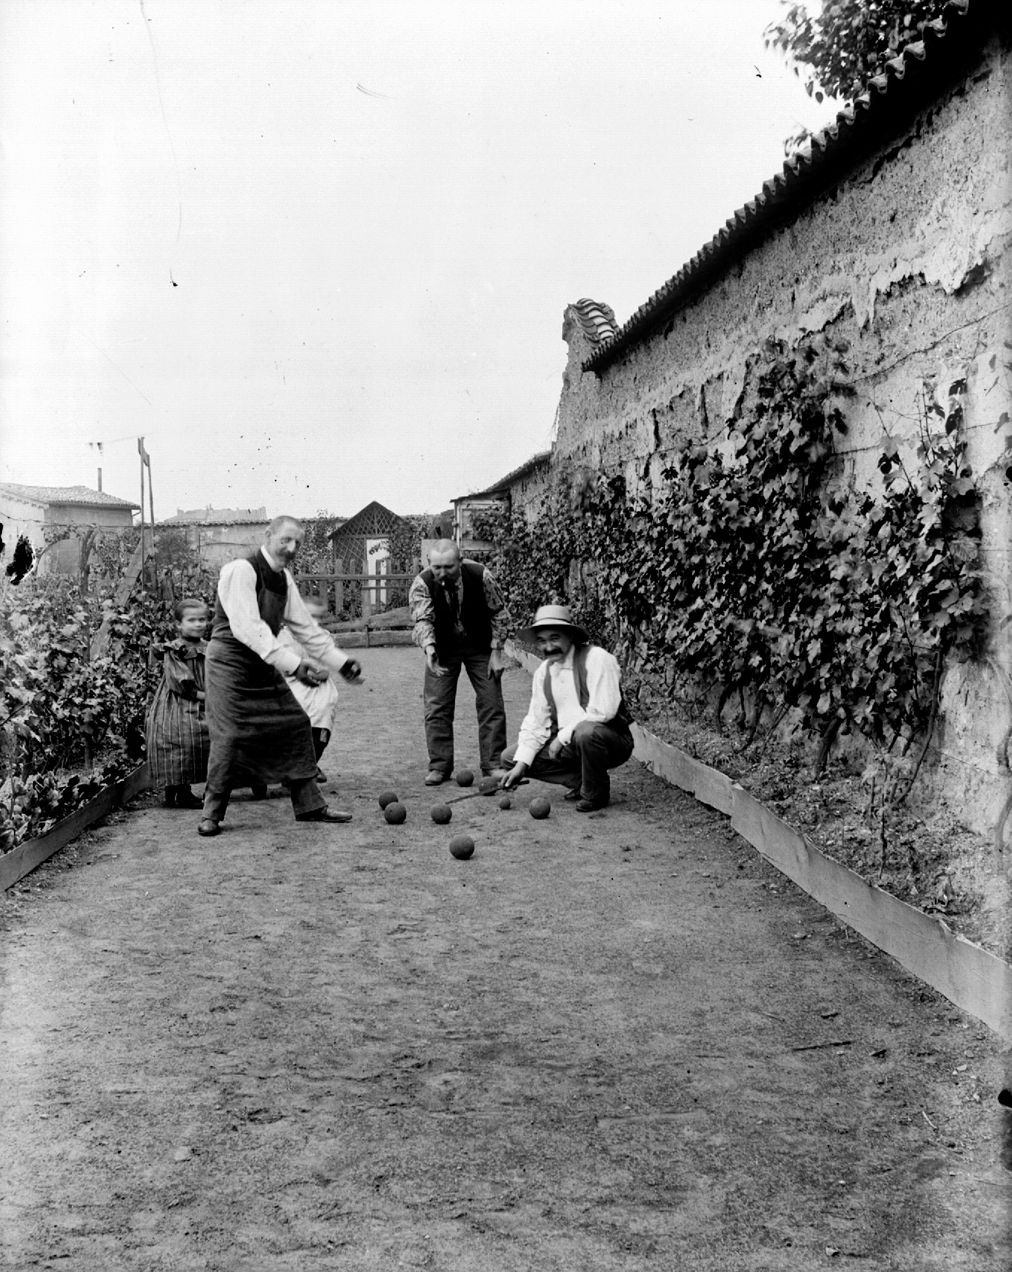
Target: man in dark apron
(258,731)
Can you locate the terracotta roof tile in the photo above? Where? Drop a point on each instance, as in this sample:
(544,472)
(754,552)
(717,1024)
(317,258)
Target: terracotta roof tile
(905,83)
(81,495)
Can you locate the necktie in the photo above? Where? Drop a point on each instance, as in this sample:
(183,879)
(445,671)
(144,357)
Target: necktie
(453,600)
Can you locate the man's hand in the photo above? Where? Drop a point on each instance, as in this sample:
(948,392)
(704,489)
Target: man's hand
(434,665)
(498,663)
(352,672)
(310,673)
(513,777)
(555,748)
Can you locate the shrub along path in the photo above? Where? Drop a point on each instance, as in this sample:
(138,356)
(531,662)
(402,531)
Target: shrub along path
(612,1042)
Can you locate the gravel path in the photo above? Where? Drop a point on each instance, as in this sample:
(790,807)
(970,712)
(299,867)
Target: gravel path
(608,1042)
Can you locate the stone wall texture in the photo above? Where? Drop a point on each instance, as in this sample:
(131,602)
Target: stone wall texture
(906,256)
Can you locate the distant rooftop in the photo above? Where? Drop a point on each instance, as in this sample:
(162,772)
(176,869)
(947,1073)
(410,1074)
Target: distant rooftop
(217,517)
(82,496)
(536,461)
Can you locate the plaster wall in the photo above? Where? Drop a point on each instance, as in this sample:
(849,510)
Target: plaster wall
(908,258)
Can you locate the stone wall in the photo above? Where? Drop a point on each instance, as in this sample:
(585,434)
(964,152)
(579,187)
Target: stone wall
(907,256)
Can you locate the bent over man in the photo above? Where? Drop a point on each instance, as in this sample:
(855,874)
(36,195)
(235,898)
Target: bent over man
(577,727)
(460,619)
(258,731)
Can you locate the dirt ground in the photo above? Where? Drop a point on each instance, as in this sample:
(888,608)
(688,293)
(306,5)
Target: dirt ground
(608,1042)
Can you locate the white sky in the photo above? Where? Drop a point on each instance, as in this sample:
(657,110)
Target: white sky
(374,213)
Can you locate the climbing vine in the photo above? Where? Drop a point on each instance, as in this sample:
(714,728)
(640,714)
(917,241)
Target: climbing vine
(752,572)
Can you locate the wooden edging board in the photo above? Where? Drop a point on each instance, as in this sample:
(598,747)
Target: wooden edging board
(14,865)
(970,977)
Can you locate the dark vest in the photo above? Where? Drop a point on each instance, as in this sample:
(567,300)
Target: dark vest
(620,723)
(272,593)
(474,616)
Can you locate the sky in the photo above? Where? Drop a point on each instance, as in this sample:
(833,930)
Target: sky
(318,254)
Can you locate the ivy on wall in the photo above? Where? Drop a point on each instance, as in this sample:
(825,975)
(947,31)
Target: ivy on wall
(753,571)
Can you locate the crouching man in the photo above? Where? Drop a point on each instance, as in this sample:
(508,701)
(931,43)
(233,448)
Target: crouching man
(577,726)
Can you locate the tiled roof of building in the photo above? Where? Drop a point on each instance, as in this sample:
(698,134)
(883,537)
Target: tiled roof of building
(596,319)
(907,83)
(218,517)
(82,496)
(511,478)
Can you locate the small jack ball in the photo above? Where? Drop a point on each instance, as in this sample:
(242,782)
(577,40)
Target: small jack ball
(464,778)
(441,814)
(388,797)
(395,813)
(540,807)
(461,847)
(505,802)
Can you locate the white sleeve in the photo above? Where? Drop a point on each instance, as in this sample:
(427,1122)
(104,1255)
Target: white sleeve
(316,642)
(536,728)
(237,591)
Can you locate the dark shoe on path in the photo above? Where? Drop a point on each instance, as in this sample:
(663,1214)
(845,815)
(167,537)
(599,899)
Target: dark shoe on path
(572,793)
(186,799)
(325,815)
(590,805)
(434,778)
(208,827)
(258,791)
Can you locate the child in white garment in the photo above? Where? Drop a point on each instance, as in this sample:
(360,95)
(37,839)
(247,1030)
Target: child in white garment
(318,701)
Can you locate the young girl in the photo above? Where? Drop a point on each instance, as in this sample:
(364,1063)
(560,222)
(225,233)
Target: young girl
(176,729)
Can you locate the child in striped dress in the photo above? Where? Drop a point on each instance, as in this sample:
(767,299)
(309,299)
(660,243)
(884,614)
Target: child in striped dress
(177,734)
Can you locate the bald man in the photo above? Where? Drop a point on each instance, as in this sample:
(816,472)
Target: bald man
(460,622)
(259,733)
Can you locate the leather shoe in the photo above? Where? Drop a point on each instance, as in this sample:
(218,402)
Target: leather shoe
(325,815)
(590,805)
(208,827)
(572,793)
(434,778)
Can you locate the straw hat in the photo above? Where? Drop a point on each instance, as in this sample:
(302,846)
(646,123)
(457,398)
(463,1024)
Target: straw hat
(557,618)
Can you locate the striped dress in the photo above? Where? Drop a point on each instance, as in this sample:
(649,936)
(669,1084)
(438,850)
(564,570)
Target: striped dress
(177,735)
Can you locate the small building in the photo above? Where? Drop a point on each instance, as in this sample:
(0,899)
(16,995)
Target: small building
(519,488)
(218,535)
(362,544)
(42,513)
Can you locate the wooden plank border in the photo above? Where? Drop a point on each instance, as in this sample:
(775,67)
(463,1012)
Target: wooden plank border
(14,865)
(973,979)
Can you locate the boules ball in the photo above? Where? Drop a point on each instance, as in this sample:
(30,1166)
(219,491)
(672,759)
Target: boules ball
(488,785)
(395,813)
(388,797)
(461,847)
(464,778)
(540,807)
(441,814)
(505,802)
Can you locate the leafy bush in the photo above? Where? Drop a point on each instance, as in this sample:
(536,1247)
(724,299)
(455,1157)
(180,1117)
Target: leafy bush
(69,724)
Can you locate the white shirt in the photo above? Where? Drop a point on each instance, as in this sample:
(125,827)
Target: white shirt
(604,697)
(237,591)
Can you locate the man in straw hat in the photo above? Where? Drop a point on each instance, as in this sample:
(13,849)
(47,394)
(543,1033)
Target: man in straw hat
(577,726)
